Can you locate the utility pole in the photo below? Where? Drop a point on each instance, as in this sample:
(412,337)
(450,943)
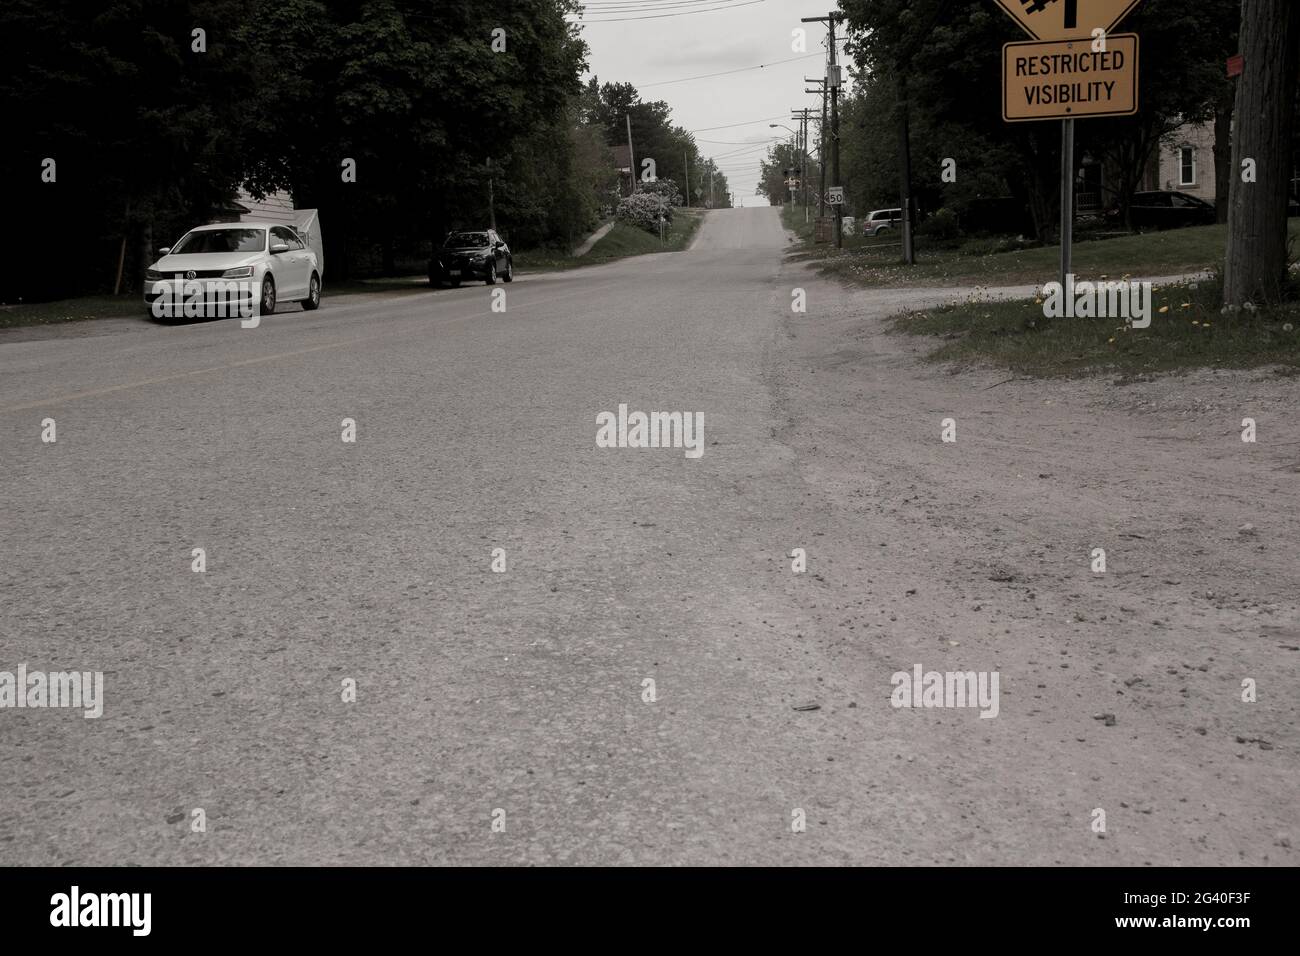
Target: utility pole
(631,157)
(905,164)
(803,159)
(492,205)
(821,146)
(803,115)
(686,163)
(833,81)
(833,84)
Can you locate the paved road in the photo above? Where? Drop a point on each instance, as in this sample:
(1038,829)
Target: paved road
(523,691)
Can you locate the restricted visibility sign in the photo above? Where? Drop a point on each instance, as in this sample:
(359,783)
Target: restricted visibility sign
(1067,19)
(1069,79)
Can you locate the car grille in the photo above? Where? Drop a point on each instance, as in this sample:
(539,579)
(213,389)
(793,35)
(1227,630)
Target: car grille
(198,273)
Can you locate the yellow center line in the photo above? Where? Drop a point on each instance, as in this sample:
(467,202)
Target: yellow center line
(74,396)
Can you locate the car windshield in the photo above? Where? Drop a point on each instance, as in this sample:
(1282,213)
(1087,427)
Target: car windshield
(465,240)
(221,240)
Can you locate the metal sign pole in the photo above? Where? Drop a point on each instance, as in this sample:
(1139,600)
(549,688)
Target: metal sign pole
(1067,198)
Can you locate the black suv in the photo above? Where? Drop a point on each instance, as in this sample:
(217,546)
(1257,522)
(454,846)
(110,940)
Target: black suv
(471,255)
(1164,209)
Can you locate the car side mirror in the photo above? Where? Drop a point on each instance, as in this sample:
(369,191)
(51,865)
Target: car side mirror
(279,247)
(164,250)
(500,244)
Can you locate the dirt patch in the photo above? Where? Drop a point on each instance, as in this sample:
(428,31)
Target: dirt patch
(1123,690)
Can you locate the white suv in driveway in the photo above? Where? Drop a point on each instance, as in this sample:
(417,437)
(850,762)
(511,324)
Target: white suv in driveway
(881,220)
(233,268)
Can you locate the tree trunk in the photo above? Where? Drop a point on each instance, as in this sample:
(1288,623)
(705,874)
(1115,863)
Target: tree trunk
(1222,158)
(1040,157)
(1255,268)
(148,252)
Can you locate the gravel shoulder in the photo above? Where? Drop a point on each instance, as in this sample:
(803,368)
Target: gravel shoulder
(976,555)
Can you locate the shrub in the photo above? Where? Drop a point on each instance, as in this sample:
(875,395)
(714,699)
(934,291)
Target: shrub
(643,211)
(942,225)
(994,245)
(663,187)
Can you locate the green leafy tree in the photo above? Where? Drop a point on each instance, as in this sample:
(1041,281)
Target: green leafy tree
(145,132)
(942,59)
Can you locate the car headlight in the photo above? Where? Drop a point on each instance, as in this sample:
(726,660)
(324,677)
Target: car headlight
(242,272)
(152,275)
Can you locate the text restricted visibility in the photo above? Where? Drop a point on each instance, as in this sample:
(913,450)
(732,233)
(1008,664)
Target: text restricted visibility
(1057,79)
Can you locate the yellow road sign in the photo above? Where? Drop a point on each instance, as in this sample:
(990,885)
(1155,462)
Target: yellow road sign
(1067,19)
(1044,80)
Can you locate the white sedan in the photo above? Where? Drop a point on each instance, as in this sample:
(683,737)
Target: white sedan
(234,268)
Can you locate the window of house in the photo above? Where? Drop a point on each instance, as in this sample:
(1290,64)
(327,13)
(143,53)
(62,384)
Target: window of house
(1187,166)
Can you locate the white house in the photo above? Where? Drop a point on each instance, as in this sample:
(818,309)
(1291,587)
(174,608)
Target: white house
(277,207)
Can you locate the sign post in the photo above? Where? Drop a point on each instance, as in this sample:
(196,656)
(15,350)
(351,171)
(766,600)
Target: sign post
(1067,199)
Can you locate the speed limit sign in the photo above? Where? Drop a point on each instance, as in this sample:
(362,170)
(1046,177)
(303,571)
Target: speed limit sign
(835,196)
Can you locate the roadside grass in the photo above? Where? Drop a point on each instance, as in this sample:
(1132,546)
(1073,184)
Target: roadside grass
(1186,332)
(1004,261)
(620,243)
(71,310)
(415,283)
(792,217)
(546,260)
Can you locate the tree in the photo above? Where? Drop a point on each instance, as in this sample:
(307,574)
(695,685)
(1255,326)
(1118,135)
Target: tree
(950,52)
(1185,46)
(1256,264)
(382,83)
(146,133)
(608,106)
(772,172)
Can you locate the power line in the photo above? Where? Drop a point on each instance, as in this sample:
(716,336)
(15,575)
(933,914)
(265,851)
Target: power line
(765,119)
(625,6)
(743,149)
(611,7)
(645,3)
(683,13)
(743,69)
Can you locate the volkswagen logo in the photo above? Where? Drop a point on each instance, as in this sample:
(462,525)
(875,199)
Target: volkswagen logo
(191,274)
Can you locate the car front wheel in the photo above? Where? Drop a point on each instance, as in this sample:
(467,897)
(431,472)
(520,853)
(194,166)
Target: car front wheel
(313,294)
(268,296)
(509,275)
(491,278)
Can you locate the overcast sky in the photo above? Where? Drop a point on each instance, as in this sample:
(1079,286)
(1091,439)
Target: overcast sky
(655,49)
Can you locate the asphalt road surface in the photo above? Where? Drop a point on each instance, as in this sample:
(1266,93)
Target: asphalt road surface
(520,699)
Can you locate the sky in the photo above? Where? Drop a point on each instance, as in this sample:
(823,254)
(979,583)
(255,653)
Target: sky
(675,39)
